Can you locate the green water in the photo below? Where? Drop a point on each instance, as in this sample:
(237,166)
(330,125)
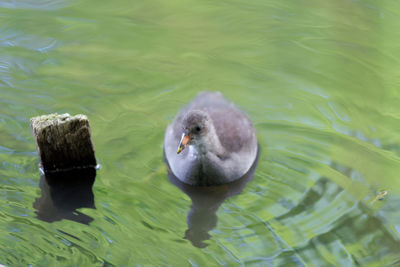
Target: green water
(319,79)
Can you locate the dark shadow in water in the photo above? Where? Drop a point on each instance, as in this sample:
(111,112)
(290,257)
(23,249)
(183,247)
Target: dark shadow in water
(65,192)
(206,200)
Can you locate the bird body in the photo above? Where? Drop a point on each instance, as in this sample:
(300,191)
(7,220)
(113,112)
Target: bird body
(220,140)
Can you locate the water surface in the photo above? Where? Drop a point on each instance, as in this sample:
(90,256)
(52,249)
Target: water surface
(319,79)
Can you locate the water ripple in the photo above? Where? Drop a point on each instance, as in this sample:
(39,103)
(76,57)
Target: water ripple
(33,4)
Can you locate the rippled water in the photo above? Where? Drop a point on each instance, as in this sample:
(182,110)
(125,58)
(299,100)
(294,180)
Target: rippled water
(320,80)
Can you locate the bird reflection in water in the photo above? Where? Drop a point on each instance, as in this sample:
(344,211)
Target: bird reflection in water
(206,200)
(63,193)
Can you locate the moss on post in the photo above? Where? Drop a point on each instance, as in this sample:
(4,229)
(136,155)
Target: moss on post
(63,141)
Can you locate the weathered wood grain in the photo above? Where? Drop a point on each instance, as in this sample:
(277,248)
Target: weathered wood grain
(63,141)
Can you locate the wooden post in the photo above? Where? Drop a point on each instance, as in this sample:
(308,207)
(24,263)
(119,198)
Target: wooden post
(63,142)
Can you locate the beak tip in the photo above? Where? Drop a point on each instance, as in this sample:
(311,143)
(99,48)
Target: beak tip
(183,143)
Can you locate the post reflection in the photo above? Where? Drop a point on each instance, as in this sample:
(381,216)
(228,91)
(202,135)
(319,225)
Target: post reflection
(206,200)
(65,192)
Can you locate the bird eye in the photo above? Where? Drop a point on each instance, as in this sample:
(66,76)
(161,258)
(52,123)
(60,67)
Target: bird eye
(198,128)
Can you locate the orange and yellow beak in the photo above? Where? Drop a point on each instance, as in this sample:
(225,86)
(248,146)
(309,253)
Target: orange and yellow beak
(185,140)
